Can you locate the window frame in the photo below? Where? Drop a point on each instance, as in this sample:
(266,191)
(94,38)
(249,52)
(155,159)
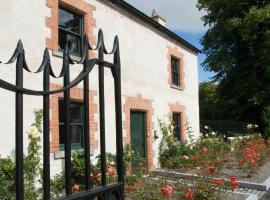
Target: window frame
(175,60)
(74,146)
(80,35)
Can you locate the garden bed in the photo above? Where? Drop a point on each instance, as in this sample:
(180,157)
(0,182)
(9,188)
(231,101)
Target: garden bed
(156,188)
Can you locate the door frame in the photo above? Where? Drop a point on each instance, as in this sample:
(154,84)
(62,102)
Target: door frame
(141,105)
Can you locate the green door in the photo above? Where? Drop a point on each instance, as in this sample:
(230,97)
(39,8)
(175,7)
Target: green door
(137,127)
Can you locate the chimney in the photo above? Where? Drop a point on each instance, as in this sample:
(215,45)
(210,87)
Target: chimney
(155,16)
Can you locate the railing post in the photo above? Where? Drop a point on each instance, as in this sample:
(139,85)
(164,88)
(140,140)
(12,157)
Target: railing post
(86,118)
(118,112)
(102,116)
(67,136)
(46,129)
(19,128)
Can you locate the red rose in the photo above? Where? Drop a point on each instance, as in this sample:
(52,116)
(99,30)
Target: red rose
(204,150)
(111,170)
(189,194)
(211,169)
(75,188)
(234,182)
(249,156)
(166,190)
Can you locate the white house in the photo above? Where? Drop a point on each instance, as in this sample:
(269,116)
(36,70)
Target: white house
(159,72)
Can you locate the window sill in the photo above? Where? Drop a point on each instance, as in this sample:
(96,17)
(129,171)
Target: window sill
(61,154)
(177,87)
(60,55)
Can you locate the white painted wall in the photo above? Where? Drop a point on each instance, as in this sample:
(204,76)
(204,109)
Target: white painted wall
(144,68)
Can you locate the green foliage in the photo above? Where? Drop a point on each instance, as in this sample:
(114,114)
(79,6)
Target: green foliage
(266,121)
(78,171)
(32,161)
(209,101)
(32,167)
(171,150)
(7,178)
(57,186)
(237,48)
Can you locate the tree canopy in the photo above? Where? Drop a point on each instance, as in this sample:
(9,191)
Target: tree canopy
(237,48)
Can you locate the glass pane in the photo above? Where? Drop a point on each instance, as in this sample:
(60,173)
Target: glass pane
(61,111)
(74,42)
(76,117)
(175,79)
(70,21)
(76,112)
(63,18)
(176,122)
(75,23)
(175,65)
(61,134)
(76,132)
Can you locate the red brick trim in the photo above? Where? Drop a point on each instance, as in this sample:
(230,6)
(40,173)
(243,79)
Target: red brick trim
(79,6)
(140,104)
(76,94)
(180,109)
(173,52)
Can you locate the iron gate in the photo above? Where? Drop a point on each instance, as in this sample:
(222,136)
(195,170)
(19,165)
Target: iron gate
(112,191)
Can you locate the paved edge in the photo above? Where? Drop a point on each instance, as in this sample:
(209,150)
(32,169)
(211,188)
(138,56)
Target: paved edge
(250,185)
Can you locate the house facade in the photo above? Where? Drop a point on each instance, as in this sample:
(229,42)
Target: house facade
(159,73)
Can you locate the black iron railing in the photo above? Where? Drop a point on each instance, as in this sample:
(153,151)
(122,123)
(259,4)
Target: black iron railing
(225,127)
(113,191)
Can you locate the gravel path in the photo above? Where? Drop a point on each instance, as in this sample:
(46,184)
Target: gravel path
(258,177)
(266,196)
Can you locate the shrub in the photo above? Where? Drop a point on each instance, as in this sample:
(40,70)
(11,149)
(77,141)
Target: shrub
(7,178)
(32,168)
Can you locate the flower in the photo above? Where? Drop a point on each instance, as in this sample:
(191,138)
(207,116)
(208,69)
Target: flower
(111,170)
(206,127)
(33,132)
(166,190)
(249,156)
(189,194)
(211,169)
(75,188)
(95,175)
(185,157)
(213,133)
(249,126)
(218,161)
(204,150)
(219,181)
(234,182)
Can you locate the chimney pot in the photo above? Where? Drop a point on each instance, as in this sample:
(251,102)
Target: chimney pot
(155,16)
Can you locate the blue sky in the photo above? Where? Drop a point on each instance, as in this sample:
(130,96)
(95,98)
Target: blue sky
(183,18)
(194,38)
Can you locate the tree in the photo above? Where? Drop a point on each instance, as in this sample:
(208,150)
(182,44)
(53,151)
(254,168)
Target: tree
(208,100)
(237,48)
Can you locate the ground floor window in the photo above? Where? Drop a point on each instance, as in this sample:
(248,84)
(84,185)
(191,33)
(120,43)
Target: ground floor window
(76,124)
(176,117)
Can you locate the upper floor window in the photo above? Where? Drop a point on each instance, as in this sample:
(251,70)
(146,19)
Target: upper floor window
(70,31)
(175,70)
(76,124)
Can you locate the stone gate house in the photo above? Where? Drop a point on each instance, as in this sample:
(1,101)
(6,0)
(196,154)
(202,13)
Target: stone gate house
(159,72)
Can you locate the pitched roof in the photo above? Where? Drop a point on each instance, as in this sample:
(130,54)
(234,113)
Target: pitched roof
(148,20)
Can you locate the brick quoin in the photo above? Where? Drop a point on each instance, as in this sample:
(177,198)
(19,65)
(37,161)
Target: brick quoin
(173,52)
(138,103)
(76,94)
(180,109)
(79,6)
